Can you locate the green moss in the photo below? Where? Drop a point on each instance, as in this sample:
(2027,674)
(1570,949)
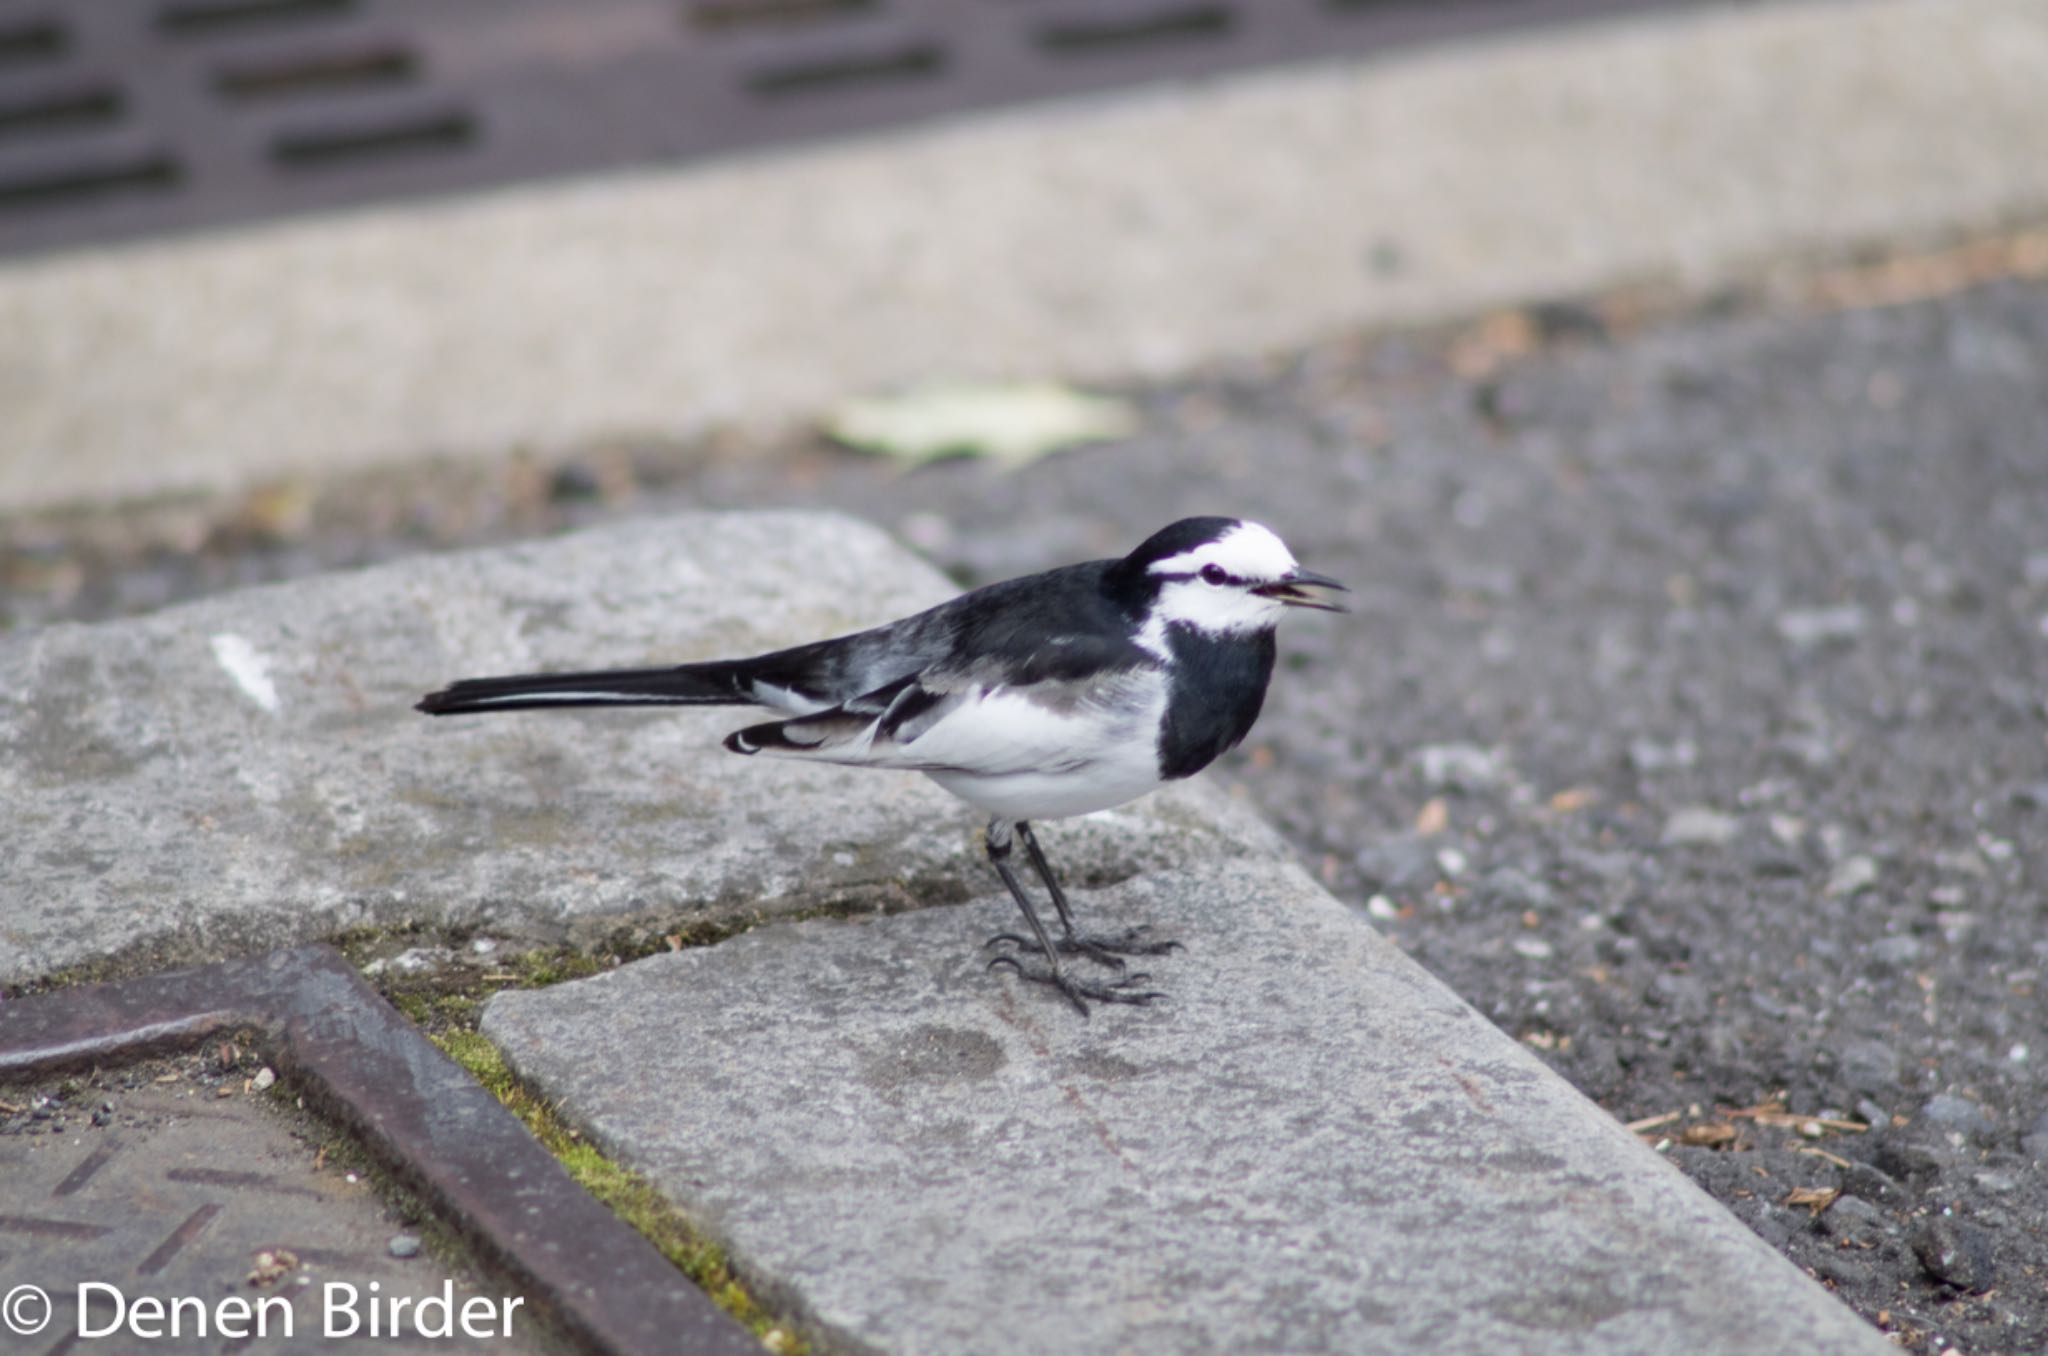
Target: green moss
(539,969)
(446,1006)
(627,1194)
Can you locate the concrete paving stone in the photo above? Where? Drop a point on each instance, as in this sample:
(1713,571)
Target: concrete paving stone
(1313,1146)
(175,1199)
(247,771)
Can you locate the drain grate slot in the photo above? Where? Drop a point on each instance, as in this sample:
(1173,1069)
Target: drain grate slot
(68,185)
(287,77)
(833,75)
(330,148)
(1089,36)
(209,18)
(36,40)
(81,110)
(1362,7)
(717,15)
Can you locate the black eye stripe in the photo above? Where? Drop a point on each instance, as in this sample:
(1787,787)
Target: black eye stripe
(1190,576)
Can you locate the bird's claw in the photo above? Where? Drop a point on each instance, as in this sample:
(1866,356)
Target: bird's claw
(1106,951)
(1081,992)
(1129,942)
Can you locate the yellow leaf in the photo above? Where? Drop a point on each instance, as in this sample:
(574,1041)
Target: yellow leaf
(1014,423)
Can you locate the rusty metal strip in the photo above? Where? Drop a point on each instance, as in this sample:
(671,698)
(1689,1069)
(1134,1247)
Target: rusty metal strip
(604,1286)
(101,1155)
(194,1225)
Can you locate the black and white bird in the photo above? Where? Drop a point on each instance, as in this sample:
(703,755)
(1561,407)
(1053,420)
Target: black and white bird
(1052,695)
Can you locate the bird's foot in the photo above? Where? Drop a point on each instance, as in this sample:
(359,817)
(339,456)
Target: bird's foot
(1102,950)
(1108,950)
(1082,992)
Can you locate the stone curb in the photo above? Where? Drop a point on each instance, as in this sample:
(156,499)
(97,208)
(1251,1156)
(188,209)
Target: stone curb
(1104,238)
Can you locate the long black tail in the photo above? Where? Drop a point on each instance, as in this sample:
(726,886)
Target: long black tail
(718,684)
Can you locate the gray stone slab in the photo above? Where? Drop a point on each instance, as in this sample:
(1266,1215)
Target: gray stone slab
(1313,1147)
(247,771)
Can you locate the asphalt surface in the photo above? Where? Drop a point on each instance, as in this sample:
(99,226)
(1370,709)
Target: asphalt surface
(1691,721)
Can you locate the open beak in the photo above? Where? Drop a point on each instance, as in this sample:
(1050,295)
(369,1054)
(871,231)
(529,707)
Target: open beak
(1289,590)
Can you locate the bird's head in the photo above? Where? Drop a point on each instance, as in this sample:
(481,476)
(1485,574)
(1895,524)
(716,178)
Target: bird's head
(1223,576)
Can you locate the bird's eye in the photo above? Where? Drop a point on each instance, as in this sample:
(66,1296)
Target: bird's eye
(1215,574)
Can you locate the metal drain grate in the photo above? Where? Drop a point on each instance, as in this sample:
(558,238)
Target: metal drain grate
(121,118)
(434,1128)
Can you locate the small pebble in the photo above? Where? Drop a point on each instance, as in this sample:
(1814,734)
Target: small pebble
(1849,1214)
(1810,627)
(1852,876)
(1788,829)
(1956,1113)
(1647,755)
(1458,767)
(1868,1065)
(1399,865)
(1841,1269)
(1954,1253)
(1508,888)
(1913,1164)
(1699,826)
(419,960)
(404,1245)
(1769,860)
(1898,950)
(265,1076)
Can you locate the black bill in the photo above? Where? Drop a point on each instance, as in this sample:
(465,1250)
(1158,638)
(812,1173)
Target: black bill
(1289,591)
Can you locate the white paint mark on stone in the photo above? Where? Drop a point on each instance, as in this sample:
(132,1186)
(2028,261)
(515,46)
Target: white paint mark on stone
(249,669)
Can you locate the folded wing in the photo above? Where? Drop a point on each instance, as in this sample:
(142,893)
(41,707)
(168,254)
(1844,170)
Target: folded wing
(974,723)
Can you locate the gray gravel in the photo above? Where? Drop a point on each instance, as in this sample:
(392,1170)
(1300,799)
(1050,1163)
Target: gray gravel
(1774,580)
(1741,614)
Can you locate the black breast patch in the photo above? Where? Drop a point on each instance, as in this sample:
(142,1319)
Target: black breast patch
(1218,684)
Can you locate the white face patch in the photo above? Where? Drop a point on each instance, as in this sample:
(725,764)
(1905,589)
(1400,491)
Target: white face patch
(1249,555)
(1249,551)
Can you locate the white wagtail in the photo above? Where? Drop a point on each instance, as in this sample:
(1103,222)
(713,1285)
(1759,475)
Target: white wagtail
(1056,694)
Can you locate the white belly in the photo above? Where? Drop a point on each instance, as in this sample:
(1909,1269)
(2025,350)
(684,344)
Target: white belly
(1057,795)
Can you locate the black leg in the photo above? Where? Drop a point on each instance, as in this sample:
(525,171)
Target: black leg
(1044,869)
(1103,950)
(1078,991)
